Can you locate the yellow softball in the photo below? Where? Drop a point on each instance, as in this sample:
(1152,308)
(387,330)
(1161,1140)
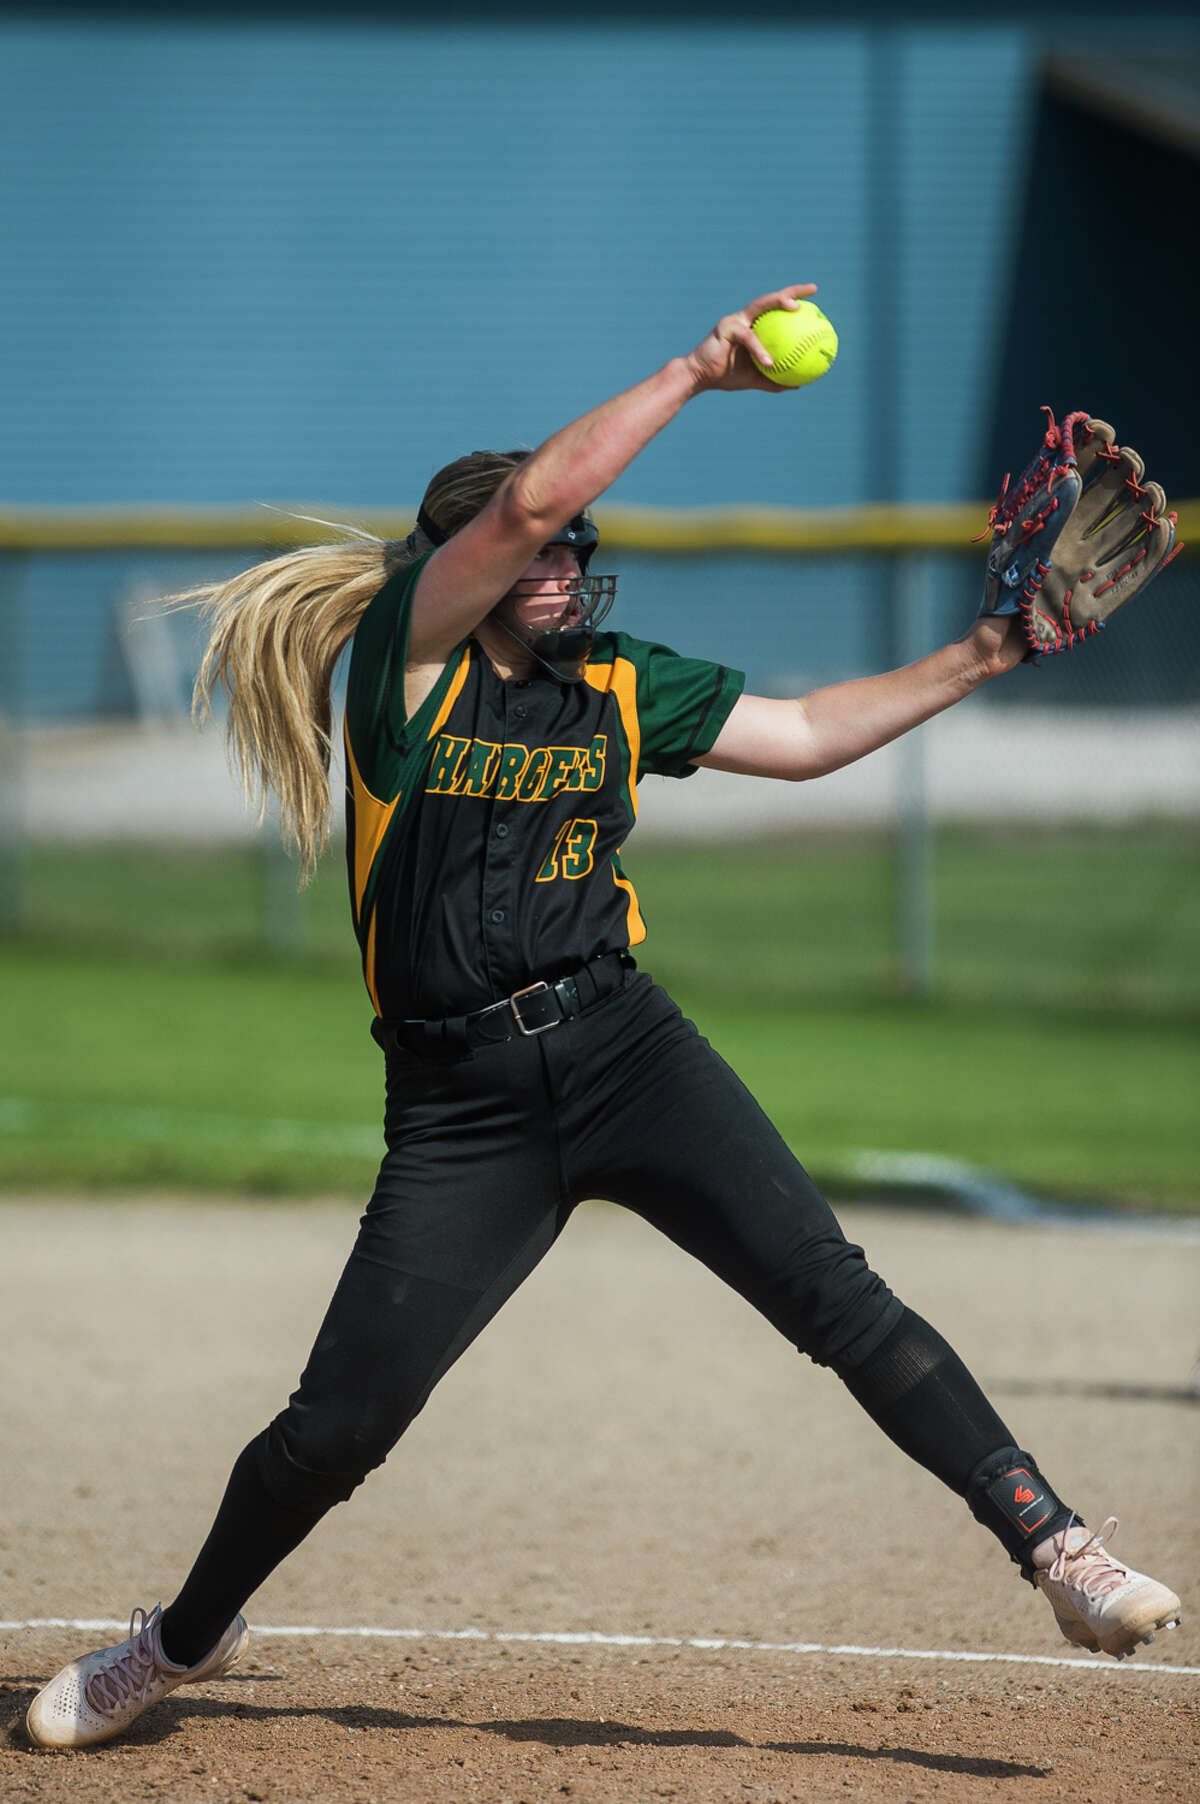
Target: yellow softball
(801,341)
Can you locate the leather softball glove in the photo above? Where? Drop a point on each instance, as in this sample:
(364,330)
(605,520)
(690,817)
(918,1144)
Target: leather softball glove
(1076,537)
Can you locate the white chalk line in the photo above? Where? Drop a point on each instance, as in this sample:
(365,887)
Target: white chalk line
(592,1638)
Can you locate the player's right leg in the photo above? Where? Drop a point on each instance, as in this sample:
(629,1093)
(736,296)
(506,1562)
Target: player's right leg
(697,1157)
(467,1202)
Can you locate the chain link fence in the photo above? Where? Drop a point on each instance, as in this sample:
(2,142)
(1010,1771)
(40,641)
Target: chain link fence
(1057,811)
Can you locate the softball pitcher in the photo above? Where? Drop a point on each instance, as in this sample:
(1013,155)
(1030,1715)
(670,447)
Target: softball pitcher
(495,740)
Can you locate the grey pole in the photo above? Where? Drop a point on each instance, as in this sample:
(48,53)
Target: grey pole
(914,836)
(284,917)
(13,823)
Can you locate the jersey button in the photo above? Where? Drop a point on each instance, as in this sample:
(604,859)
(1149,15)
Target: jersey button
(502,831)
(520,711)
(497,916)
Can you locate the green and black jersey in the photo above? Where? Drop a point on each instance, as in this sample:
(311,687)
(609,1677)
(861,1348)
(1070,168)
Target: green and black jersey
(484,833)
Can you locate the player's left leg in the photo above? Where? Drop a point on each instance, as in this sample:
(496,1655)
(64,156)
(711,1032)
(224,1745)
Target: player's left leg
(695,1155)
(467,1201)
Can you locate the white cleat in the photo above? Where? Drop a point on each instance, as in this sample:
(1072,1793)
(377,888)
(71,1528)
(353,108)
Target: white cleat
(94,1698)
(1099,1603)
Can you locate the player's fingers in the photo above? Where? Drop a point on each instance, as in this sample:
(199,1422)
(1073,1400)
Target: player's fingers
(789,298)
(740,331)
(760,354)
(735,325)
(748,352)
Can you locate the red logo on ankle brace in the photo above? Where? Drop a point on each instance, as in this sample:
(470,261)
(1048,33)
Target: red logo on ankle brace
(1021,1495)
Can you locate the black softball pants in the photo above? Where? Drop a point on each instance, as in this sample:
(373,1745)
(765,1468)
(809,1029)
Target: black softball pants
(487,1155)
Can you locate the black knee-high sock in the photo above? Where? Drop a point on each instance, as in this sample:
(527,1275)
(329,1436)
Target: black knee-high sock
(251,1534)
(921,1394)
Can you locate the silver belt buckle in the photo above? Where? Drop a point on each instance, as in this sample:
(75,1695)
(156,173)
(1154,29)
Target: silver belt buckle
(529,990)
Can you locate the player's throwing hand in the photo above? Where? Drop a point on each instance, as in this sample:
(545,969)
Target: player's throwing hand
(725,359)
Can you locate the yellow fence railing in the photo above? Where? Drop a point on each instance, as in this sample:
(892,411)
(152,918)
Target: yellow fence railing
(876,527)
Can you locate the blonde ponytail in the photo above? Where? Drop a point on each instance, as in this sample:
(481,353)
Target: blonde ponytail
(277,631)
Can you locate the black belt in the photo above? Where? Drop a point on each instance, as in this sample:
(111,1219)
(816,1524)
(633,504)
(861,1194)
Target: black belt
(527,1012)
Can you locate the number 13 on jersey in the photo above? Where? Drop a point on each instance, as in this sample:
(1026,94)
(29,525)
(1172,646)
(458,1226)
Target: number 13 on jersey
(571,854)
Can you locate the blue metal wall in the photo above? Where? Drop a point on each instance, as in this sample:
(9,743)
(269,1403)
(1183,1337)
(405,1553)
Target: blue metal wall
(315,261)
(310,262)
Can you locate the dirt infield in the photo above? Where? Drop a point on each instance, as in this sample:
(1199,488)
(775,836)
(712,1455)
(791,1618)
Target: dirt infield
(628,1453)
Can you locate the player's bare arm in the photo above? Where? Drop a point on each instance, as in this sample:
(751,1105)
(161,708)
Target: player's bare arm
(814,734)
(465,578)
(1077,535)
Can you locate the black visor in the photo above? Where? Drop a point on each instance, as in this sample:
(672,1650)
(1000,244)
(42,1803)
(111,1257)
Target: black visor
(581,535)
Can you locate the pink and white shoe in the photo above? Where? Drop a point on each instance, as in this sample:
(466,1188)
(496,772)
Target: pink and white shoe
(1100,1603)
(94,1698)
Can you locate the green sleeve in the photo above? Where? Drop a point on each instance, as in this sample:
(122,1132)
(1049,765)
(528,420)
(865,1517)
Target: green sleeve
(682,704)
(380,734)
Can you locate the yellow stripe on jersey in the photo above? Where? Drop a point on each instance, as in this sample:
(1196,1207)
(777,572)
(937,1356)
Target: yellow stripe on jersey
(621,678)
(634,921)
(452,694)
(372,818)
(369,967)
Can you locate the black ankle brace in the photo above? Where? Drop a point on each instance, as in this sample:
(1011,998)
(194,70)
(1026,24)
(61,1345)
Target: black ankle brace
(1008,1494)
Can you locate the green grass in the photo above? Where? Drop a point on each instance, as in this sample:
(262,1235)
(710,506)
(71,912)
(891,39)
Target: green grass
(150,1043)
(1106,922)
(92,1039)
(1099,920)
(1071,1110)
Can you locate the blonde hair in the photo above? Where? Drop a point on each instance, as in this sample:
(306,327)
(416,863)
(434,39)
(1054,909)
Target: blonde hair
(276,632)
